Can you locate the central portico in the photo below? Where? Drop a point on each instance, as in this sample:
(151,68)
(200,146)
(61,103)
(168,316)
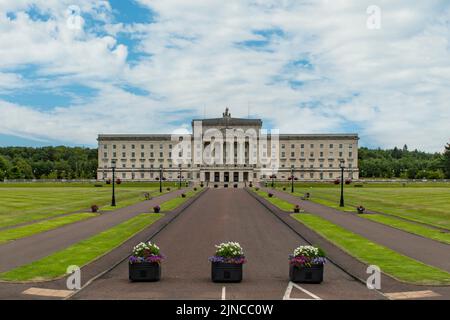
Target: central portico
(226,171)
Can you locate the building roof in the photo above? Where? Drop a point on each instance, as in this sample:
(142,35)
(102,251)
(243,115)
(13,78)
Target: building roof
(134,137)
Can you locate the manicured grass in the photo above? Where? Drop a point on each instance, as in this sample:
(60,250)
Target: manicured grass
(46,225)
(29,202)
(174,203)
(421,230)
(81,253)
(280,203)
(390,262)
(416,202)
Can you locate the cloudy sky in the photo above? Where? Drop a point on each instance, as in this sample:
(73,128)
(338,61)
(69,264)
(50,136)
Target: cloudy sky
(72,69)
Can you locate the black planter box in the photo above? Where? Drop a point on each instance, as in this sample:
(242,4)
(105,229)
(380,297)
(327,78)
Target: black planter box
(226,272)
(145,271)
(313,274)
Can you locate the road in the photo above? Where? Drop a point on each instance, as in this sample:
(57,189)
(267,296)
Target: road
(226,215)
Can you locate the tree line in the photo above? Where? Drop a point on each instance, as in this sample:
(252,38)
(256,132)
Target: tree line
(402,163)
(81,163)
(48,163)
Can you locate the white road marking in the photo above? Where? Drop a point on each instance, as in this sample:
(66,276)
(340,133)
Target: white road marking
(291,285)
(224,292)
(412,295)
(47,292)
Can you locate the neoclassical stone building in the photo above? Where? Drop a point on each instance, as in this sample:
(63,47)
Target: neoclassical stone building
(228,150)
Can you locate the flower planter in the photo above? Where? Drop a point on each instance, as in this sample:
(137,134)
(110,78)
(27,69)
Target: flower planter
(144,271)
(226,272)
(235,185)
(303,274)
(360,210)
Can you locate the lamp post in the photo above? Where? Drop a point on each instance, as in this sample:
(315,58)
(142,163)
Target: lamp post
(342,166)
(160,179)
(292,180)
(113,167)
(273,180)
(179,177)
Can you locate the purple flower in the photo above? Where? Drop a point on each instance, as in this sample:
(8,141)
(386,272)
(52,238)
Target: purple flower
(235,260)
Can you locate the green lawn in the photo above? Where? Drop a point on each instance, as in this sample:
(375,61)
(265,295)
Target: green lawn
(81,253)
(46,225)
(425,203)
(174,203)
(390,262)
(280,203)
(28,202)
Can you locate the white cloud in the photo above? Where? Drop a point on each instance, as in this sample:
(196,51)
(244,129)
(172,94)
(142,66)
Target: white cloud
(392,83)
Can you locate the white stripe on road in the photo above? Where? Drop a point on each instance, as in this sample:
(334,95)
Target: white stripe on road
(291,285)
(224,293)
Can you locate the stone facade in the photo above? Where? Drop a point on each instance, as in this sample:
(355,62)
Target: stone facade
(306,156)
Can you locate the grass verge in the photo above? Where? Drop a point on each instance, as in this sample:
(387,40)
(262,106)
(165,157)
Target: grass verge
(280,203)
(39,227)
(81,253)
(174,203)
(390,262)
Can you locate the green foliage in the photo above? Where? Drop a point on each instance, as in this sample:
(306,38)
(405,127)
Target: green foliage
(400,163)
(446,161)
(48,163)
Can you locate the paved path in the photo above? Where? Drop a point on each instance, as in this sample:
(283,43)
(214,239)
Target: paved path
(223,215)
(26,250)
(423,249)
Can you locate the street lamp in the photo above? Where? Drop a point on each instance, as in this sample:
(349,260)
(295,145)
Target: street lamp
(292,180)
(273,180)
(342,166)
(113,167)
(160,179)
(179,177)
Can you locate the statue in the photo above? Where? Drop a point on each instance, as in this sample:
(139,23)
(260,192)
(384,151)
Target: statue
(226,114)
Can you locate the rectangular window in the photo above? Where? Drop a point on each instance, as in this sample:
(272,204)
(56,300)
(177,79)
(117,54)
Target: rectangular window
(123,146)
(142,146)
(311,145)
(142,175)
(292,146)
(142,155)
(124,155)
(321,146)
(105,146)
(105,155)
(151,146)
(151,154)
(114,146)
(292,154)
(161,155)
(350,154)
(331,146)
(132,146)
(133,154)
(124,175)
(321,154)
(302,146)
(114,155)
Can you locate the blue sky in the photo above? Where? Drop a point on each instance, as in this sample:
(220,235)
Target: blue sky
(68,73)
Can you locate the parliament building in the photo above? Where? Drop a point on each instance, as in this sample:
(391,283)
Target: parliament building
(243,153)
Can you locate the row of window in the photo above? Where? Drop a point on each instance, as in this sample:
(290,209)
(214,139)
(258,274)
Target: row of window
(133,147)
(331,146)
(321,154)
(283,146)
(152,155)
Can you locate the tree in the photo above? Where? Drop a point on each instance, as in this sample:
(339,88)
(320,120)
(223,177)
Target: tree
(4,168)
(446,161)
